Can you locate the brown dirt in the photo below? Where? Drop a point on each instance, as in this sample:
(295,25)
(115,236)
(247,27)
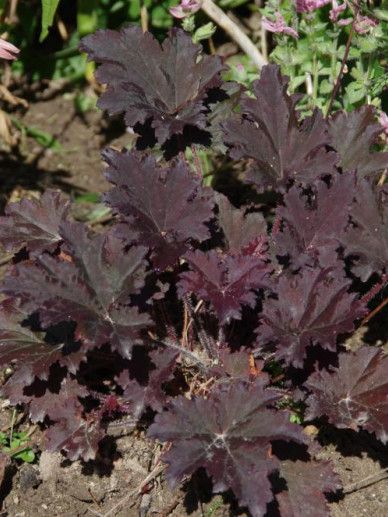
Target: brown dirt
(74,167)
(98,488)
(54,487)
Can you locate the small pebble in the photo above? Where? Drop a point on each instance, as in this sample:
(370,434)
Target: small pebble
(28,477)
(311,430)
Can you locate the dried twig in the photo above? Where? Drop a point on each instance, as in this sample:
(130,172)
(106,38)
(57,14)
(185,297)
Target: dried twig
(234,31)
(201,365)
(363,483)
(383,177)
(144,19)
(134,493)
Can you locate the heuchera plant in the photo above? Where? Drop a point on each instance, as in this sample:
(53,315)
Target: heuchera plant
(100,325)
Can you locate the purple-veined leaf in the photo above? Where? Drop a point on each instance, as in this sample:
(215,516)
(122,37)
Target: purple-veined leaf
(226,281)
(352,135)
(368,238)
(312,228)
(229,434)
(307,482)
(167,207)
(353,395)
(34,223)
(281,148)
(311,308)
(166,83)
(92,288)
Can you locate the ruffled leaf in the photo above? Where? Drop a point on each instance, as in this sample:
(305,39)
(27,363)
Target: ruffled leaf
(352,135)
(281,148)
(312,227)
(353,395)
(92,287)
(367,238)
(229,434)
(311,308)
(34,223)
(166,83)
(226,281)
(166,207)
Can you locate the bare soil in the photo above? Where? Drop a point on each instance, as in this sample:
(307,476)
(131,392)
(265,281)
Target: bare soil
(107,487)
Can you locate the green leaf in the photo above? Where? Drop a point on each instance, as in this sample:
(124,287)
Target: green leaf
(28,455)
(204,32)
(89,197)
(325,87)
(84,103)
(49,8)
(41,137)
(87,16)
(355,92)
(381,14)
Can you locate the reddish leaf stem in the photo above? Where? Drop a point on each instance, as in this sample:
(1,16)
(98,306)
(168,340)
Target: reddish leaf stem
(375,311)
(374,291)
(276,226)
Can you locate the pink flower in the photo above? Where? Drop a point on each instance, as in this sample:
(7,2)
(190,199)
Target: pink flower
(383,119)
(336,10)
(344,21)
(307,6)
(364,24)
(7,50)
(185,8)
(279,26)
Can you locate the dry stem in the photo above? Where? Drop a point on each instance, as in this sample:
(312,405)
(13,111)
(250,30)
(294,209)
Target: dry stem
(370,480)
(234,31)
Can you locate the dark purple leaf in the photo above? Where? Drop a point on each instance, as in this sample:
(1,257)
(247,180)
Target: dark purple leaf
(167,84)
(77,436)
(352,135)
(240,228)
(167,207)
(307,482)
(40,400)
(229,434)
(353,395)
(30,349)
(93,288)
(34,223)
(138,397)
(56,404)
(312,228)
(368,238)
(311,308)
(280,147)
(226,281)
